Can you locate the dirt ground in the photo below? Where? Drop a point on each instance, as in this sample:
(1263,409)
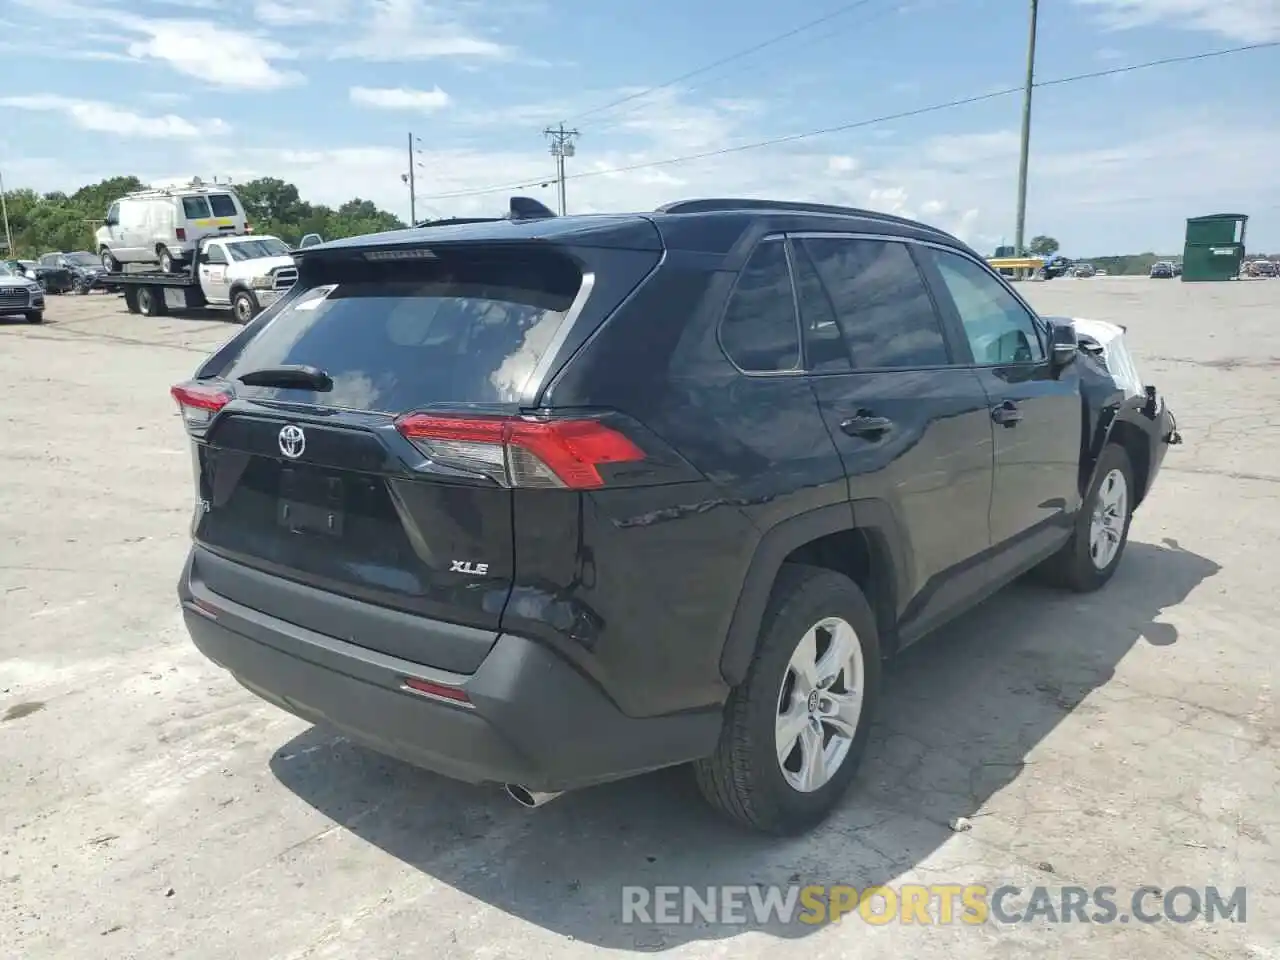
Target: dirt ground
(150,807)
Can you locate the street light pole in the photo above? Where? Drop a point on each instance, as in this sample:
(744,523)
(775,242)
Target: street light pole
(561,146)
(413,193)
(1018,248)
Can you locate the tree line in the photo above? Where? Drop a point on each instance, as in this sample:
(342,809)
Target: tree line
(57,221)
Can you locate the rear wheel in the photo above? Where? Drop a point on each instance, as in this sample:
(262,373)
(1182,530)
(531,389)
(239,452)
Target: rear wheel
(244,306)
(151,301)
(131,300)
(1090,558)
(796,729)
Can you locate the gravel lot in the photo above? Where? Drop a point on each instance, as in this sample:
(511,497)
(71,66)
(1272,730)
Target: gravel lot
(150,807)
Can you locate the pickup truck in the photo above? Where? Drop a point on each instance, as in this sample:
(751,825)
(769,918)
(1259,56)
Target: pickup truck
(244,272)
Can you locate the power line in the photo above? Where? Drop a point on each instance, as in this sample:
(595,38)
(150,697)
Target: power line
(614,120)
(871,121)
(764,44)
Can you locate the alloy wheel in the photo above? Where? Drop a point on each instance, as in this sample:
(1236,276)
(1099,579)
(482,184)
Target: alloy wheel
(1106,529)
(820,704)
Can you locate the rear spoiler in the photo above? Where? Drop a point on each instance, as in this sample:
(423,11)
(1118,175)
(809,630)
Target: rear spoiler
(518,208)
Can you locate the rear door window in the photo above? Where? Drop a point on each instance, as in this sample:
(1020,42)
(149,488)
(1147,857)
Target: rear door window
(195,208)
(411,335)
(222,205)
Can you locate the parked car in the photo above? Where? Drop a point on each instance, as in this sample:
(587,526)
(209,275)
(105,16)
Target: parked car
(163,226)
(1260,268)
(1084,270)
(552,502)
(1162,270)
(79,271)
(22,268)
(20,294)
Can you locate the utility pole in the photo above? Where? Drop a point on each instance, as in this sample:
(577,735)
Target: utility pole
(1019,250)
(410,178)
(4,207)
(561,146)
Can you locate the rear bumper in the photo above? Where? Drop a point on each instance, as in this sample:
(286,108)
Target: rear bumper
(534,720)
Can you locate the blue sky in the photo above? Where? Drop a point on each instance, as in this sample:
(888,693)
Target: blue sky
(324,92)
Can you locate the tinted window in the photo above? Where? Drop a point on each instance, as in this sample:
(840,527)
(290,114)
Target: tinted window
(195,208)
(999,329)
(255,249)
(759,328)
(825,347)
(398,336)
(223,205)
(881,302)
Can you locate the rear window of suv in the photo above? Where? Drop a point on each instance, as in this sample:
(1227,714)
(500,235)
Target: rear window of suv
(400,336)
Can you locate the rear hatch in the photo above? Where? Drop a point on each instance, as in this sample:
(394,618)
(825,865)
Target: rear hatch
(348,447)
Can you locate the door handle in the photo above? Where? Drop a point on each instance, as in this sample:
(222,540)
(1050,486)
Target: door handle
(866,426)
(1006,414)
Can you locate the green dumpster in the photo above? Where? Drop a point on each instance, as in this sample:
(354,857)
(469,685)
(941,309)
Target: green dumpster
(1214,248)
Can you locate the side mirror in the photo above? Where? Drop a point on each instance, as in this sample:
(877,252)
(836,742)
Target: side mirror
(1062,344)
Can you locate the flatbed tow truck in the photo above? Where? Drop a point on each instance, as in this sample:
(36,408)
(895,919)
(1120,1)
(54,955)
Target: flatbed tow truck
(243,272)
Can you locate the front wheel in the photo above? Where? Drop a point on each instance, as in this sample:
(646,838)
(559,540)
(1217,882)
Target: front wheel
(244,306)
(167,263)
(1090,558)
(796,729)
(35,316)
(109,262)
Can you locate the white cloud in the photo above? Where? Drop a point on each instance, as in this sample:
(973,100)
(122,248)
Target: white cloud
(219,55)
(107,118)
(401,98)
(1249,21)
(415,30)
(202,49)
(279,13)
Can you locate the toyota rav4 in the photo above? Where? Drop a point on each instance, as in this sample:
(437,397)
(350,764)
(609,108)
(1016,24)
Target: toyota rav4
(552,501)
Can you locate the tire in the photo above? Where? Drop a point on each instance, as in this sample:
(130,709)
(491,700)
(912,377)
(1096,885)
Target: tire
(244,306)
(1082,565)
(131,300)
(151,302)
(167,262)
(749,778)
(109,262)
(35,316)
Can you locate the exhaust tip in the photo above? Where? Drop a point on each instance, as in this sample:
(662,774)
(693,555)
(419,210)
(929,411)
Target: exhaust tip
(528,798)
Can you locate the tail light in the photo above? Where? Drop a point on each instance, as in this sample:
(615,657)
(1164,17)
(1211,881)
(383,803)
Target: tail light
(199,403)
(518,452)
(180,233)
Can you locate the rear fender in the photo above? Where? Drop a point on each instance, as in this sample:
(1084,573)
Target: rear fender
(874,518)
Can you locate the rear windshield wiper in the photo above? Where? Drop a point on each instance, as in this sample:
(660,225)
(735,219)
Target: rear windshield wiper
(293,375)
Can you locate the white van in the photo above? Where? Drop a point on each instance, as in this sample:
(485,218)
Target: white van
(164,225)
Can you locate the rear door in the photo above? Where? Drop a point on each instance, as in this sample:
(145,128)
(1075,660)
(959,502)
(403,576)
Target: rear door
(319,487)
(911,425)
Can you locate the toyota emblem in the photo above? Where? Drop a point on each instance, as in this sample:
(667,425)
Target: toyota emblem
(292,441)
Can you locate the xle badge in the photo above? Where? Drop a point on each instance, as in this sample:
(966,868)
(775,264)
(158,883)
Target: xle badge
(467,566)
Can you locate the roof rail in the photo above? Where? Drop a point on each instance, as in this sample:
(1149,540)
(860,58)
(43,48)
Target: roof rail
(729,204)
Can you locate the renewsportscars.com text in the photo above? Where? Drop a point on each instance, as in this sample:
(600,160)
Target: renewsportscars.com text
(930,904)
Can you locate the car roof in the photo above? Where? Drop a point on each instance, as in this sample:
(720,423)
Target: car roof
(713,225)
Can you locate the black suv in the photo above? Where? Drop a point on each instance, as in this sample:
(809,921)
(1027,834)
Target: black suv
(551,501)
